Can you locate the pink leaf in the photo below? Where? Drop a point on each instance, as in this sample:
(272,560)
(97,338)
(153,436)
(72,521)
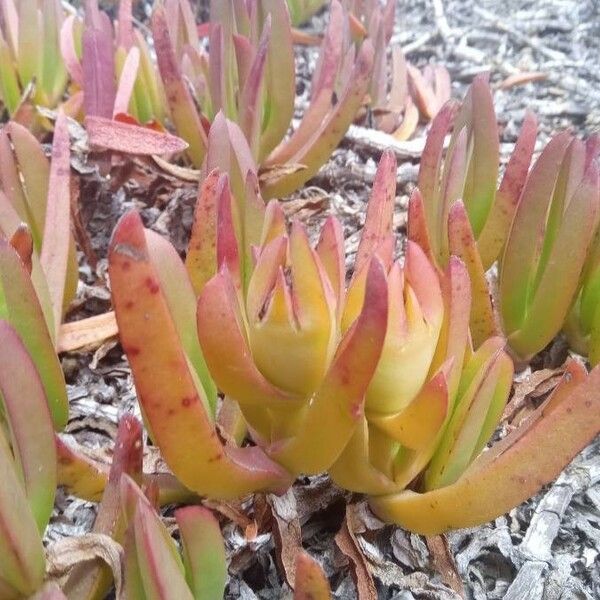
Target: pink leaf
(131,139)
(127,81)
(68,51)
(57,228)
(98,73)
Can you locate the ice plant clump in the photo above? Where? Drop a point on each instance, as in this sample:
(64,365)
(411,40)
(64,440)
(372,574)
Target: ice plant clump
(30,67)
(280,353)
(248,74)
(539,274)
(35,196)
(155,305)
(379,383)
(152,561)
(583,323)
(110,66)
(27,468)
(458,210)
(400,94)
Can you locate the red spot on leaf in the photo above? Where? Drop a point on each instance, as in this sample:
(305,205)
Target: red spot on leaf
(152,285)
(189,401)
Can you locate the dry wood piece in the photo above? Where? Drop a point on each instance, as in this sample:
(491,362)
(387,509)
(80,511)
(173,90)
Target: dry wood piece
(377,141)
(286,532)
(87,333)
(444,563)
(348,544)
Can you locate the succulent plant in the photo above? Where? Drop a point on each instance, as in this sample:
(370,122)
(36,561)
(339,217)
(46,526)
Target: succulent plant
(19,305)
(583,323)
(434,401)
(111,66)
(30,65)
(92,579)
(155,306)
(153,566)
(281,337)
(539,274)
(469,172)
(248,74)
(513,469)
(35,194)
(458,210)
(400,94)
(27,468)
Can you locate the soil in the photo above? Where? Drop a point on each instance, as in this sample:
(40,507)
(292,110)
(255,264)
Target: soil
(545,549)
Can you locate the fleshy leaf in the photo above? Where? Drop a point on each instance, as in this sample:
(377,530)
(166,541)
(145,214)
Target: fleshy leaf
(30,424)
(417,425)
(160,567)
(531,456)
(35,172)
(20,306)
(340,399)
(173,408)
(203,552)
(131,139)
(81,476)
(492,238)
(181,300)
(311,583)
(93,579)
(380,210)
(480,185)
(280,80)
(554,294)
(127,79)
(228,354)
(326,138)
(525,239)
(485,379)
(201,259)
(23,562)
(462,244)
(54,254)
(431,160)
(98,72)
(184,115)
(353,470)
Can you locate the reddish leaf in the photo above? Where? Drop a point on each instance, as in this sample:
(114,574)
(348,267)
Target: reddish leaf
(131,139)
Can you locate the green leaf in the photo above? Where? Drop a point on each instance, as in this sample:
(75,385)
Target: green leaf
(30,424)
(203,552)
(20,306)
(512,471)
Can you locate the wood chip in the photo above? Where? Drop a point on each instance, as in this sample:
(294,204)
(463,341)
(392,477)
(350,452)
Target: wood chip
(522,79)
(286,533)
(444,564)
(348,544)
(87,333)
(539,383)
(183,173)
